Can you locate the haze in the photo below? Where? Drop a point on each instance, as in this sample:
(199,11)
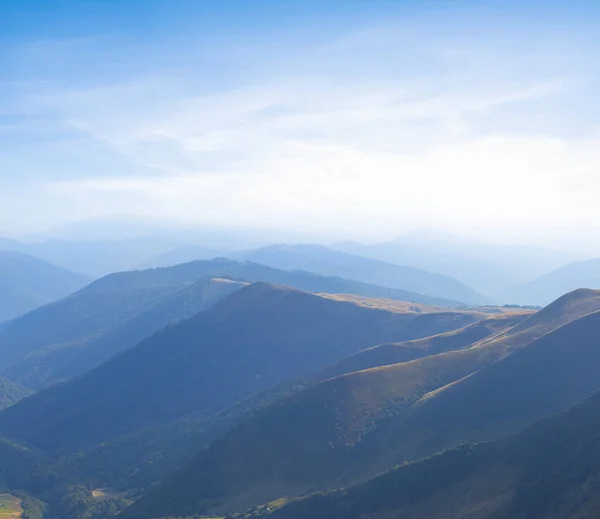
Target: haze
(337,120)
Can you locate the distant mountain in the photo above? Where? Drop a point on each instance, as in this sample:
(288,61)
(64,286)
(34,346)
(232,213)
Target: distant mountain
(81,331)
(11,393)
(96,258)
(549,471)
(488,268)
(324,261)
(27,282)
(580,274)
(183,254)
(352,427)
(257,337)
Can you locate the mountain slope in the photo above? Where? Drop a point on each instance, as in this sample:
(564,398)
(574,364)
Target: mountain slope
(11,393)
(95,258)
(320,260)
(393,353)
(352,427)
(488,268)
(549,471)
(27,282)
(56,362)
(540,291)
(41,342)
(548,376)
(255,338)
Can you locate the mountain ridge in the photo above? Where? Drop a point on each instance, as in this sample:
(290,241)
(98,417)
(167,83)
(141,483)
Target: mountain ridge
(239,355)
(27,282)
(348,428)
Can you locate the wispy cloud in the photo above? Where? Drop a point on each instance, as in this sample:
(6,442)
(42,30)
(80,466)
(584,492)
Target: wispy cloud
(382,129)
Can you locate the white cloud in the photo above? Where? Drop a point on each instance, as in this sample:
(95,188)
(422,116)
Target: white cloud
(486,181)
(433,137)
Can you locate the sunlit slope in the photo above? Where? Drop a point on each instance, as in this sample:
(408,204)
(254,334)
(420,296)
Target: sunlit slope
(549,471)
(354,426)
(257,337)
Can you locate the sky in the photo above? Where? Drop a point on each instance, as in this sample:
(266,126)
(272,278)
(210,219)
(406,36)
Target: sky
(339,118)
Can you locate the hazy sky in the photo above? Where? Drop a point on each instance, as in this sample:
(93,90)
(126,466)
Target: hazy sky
(347,116)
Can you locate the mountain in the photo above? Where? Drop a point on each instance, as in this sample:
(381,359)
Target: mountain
(255,338)
(97,258)
(549,471)
(27,282)
(351,427)
(19,464)
(488,268)
(183,254)
(11,393)
(540,291)
(327,262)
(79,332)
(59,361)
(394,353)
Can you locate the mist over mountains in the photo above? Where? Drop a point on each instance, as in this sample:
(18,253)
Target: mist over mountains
(473,271)
(299,259)
(220,377)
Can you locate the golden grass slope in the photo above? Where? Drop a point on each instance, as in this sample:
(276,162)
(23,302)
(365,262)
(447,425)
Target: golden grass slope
(10,507)
(350,427)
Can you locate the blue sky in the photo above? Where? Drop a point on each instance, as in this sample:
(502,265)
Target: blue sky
(344,117)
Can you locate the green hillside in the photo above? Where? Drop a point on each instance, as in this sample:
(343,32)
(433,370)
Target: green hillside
(27,283)
(11,393)
(352,427)
(257,337)
(112,314)
(62,361)
(393,353)
(549,471)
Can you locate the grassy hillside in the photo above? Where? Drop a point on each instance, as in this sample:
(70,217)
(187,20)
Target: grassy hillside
(11,393)
(255,338)
(352,427)
(79,332)
(549,471)
(27,282)
(393,353)
(550,375)
(328,262)
(61,361)
(21,466)
(10,507)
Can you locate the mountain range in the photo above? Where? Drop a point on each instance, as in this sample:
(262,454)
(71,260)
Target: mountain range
(546,288)
(354,426)
(27,282)
(209,362)
(491,269)
(71,336)
(324,261)
(227,386)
